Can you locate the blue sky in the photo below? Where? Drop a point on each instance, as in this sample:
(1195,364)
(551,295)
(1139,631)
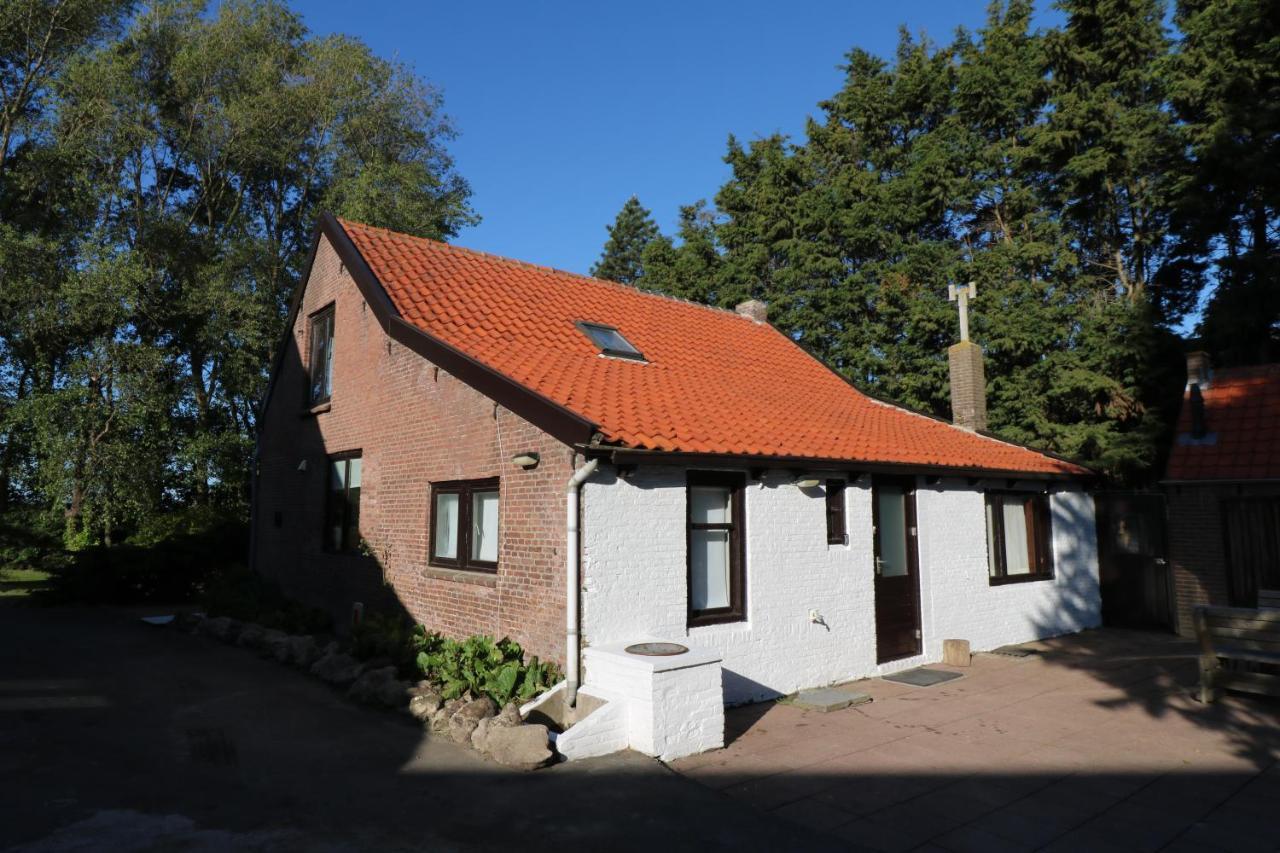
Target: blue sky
(565,109)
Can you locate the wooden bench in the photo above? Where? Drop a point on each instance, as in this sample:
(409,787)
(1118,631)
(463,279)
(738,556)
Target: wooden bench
(1238,634)
(1269,599)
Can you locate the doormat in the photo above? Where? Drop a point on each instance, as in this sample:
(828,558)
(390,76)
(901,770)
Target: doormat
(922,677)
(1013,652)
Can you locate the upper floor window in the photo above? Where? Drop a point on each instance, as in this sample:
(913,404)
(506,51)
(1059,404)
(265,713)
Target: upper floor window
(836,534)
(464,524)
(342,503)
(717,574)
(1019,537)
(320,387)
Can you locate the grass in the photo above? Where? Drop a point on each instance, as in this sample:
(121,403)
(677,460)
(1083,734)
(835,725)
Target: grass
(17,583)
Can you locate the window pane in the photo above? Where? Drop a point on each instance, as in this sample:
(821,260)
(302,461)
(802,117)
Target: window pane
(709,505)
(338,475)
(891,534)
(351,539)
(321,357)
(353,473)
(446,525)
(484,526)
(709,569)
(1016,557)
(992,545)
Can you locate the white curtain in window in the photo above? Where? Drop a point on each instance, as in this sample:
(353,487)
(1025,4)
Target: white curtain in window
(484,526)
(1016,560)
(709,567)
(446,522)
(992,545)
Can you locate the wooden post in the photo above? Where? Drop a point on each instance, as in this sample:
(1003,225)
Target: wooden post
(1208,659)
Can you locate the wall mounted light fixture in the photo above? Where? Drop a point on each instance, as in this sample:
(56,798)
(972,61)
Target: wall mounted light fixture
(527,461)
(806,482)
(302,467)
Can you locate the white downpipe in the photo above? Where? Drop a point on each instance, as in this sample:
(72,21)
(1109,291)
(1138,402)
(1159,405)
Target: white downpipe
(572,582)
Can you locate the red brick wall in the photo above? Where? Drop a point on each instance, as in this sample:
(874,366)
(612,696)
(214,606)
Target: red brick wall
(1197,549)
(414,424)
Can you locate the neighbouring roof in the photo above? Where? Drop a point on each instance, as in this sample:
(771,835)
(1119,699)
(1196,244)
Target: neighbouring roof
(1242,428)
(711,382)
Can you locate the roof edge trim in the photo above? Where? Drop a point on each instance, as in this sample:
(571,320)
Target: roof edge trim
(626,456)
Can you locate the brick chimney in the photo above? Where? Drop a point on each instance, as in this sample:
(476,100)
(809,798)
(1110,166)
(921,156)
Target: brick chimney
(1199,369)
(755,309)
(968,386)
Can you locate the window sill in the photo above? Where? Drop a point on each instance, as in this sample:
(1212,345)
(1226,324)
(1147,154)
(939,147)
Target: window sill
(714,619)
(1005,581)
(317,409)
(471,576)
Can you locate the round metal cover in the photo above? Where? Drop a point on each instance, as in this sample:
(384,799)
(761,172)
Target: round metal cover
(656,649)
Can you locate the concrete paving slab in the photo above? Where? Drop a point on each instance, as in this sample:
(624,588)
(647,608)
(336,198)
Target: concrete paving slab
(827,699)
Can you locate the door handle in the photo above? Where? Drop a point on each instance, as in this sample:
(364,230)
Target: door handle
(879,562)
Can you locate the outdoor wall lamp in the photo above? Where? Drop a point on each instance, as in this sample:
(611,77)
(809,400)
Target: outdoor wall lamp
(302,467)
(527,461)
(806,482)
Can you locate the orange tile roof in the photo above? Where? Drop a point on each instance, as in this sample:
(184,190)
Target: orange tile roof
(713,382)
(1242,421)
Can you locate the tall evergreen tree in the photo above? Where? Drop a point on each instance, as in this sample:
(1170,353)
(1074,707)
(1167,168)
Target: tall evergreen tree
(1226,91)
(623,257)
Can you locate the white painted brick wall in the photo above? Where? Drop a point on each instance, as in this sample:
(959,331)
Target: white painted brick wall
(634,579)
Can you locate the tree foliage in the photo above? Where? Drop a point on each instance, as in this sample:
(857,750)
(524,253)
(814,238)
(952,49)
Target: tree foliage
(623,257)
(163,177)
(1056,169)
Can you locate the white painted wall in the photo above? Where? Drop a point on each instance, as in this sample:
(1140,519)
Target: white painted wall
(634,579)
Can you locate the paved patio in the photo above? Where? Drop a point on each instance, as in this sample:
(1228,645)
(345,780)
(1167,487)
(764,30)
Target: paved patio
(1093,742)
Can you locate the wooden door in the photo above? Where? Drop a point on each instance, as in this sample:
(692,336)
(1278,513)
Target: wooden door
(897,569)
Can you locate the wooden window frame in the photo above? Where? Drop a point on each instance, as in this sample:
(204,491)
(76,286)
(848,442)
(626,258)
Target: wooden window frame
(1039,537)
(837,528)
(464,489)
(343,546)
(736,483)
(328,312)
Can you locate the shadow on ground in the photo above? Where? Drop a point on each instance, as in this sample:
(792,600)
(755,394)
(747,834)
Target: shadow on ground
(115,735)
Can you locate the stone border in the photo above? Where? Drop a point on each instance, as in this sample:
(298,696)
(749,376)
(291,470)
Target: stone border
(502,736)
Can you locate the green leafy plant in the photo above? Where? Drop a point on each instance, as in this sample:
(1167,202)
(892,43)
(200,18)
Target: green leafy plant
(482,667)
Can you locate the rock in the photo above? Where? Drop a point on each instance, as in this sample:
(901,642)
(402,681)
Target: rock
(423,705)
(394,694)
(251,635)
(480,737)
(525,747)
(507,718)
(189,621)
(302,651)
(464,721)
(336,668)
(368,687)
(222,628)
(422,688)
(509,715)
(272,643)
(440,719)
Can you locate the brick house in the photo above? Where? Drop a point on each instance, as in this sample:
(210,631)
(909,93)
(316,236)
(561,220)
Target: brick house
(431,405)
(1222,486)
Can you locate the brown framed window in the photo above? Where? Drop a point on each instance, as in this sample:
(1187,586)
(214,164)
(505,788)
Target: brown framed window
(342,503)
(1019,537)
(716,553)
(464,524)
(836,534)
(320,365)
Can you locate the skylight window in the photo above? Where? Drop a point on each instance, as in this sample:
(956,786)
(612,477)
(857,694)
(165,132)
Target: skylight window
(610,341)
